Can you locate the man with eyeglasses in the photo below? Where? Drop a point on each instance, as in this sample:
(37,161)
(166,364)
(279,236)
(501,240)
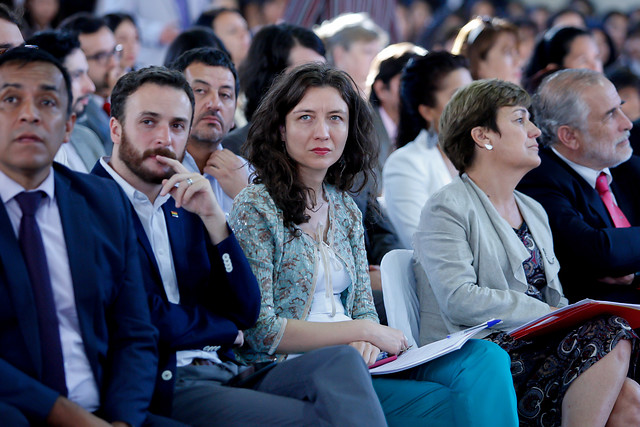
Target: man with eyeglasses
(84,147)
(99,45)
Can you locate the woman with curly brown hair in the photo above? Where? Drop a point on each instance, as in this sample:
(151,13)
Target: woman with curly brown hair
(302,233)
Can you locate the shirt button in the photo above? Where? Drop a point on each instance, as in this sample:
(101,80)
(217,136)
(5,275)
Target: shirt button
(167,375)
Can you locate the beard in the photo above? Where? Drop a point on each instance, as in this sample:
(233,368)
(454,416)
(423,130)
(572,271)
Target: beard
(134,160)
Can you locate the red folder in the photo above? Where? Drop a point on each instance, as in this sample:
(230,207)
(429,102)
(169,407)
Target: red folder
(576,314)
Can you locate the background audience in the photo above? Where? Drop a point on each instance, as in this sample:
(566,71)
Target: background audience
(418,168)
(585,181)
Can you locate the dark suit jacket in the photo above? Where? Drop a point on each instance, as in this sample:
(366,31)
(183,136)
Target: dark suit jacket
(218,293)
(586,242)
(118,337)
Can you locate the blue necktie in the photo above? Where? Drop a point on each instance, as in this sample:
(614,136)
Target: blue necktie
(34,255)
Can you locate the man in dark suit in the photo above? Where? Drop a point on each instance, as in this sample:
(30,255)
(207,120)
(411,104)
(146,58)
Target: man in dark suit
(588,182)
(76,343)
(200,287)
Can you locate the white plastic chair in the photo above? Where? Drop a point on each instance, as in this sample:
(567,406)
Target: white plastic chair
(399,293)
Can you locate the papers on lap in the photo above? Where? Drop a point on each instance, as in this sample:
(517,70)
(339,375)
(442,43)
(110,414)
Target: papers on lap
(576,314)
(418,356)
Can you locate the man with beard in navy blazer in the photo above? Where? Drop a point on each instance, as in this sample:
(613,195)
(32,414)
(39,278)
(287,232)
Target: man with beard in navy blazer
(587,152)
(201,290)
(76,343)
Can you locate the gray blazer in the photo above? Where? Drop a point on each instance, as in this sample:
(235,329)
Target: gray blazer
(473,262)
(87,145)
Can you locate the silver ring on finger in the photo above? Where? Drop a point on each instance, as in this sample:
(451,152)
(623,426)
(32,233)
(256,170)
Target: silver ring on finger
(189,181)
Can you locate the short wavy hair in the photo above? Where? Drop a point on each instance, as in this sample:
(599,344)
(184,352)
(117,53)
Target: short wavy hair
(476,104)
(265,150)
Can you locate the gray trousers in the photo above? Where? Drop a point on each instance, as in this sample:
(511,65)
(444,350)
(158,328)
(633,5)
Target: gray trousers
(326,387)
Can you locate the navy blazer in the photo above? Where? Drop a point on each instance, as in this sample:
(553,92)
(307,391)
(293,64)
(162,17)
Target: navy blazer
(218,293)
(119,339)
(586,242)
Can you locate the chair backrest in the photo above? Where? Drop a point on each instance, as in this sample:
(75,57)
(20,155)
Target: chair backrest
(399,293)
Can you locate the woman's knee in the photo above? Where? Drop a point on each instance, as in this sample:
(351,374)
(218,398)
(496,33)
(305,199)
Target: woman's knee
(626,411)
(486,353)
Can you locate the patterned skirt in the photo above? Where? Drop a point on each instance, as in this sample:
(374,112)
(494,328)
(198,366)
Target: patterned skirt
(544,367)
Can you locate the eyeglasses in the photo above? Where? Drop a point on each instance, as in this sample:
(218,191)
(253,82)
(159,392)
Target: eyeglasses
(103,58)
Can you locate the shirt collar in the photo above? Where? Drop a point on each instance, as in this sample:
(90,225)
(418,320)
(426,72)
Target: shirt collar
(588,174)
(9,188)
(389,125)
(135,196)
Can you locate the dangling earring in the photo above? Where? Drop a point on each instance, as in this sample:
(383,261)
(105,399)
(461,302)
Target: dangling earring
(488,147)
(343,165)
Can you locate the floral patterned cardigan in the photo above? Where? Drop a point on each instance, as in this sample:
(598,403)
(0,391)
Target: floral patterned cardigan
(286,265)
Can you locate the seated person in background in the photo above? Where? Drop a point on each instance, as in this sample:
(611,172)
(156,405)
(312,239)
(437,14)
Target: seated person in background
(303,236)
(200,287)
(231,28)
(418,168)
(383,83)
(76,341)
(10,35)
(103,57)
(214,82)
(192,39)
(274,49)
(127,34)
(491,46)
(487,252)
(584,133)
(84,147)
(628,86)
(560,48)
(352,41)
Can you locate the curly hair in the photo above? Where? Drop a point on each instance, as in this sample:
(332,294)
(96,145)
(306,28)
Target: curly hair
(274,168)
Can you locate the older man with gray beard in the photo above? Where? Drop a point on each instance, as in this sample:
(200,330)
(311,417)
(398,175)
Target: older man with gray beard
(588,183)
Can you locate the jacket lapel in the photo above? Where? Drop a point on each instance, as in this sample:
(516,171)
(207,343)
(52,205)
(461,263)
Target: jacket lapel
(591,196)
(19,287)
(80,241)
(177,234)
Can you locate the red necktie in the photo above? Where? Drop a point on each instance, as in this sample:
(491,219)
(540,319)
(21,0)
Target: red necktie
(618,218)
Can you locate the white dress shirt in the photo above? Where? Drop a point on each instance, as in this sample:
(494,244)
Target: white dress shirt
(81,384)
(152,219)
